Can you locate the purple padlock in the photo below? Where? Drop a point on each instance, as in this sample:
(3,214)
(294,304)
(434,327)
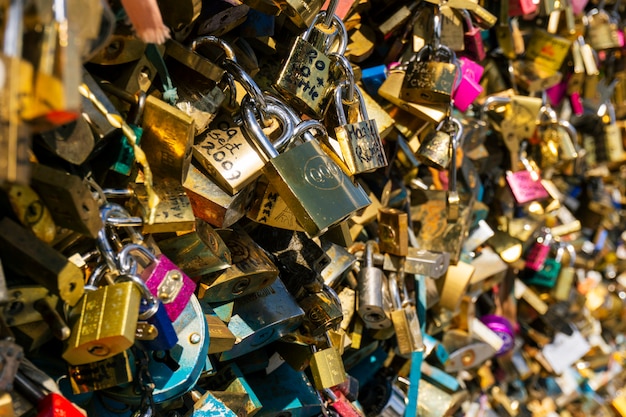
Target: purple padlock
(164,280)
(469,87)
(503,328)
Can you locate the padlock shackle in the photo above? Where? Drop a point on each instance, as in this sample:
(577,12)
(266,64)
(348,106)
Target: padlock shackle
(254,129)
(340,30)
(126,260)
(153,302)
(214,40)
(306,126)
(246,82)
(357,95)
(394,290)
(346,67)
(285,139)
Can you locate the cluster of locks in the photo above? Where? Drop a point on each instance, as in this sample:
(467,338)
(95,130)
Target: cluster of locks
(290,208)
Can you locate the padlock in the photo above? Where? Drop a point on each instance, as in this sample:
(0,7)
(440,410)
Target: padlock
(48,403)
(93,338)
(251,270)
(434,150)
(393,231)
(391,90)
(230,378)
(167,139)
(297,395)
(261,318)
(465,351)
(322,312)
(548,273)
(208,404)
(162,277)
(539,251)
(469,86)
(602,31)
(299,259)
(221,338)
(268,208)
(431,77)
(326,367)
(227,156)
(565,279)
(341,404)
(361,146)
(211,203)
(69,199)
(199,252)
(178,370)
(30,211)
(305,79)
(451,30)
(172,214)
(613,136)
(297,183)
(521,7)
(371,304)
(31,257)
(473,40)
(107,373)
(401,317)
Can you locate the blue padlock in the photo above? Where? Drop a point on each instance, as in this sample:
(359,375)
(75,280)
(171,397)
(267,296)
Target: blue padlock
(155,330)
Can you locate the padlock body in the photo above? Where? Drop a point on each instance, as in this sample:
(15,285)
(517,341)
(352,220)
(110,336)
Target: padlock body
(251,270)
(226,155)
(547,275)
(371,301)
(327,368)
(361,146)
(103,323)
(403,333)
(428,82)
(107,373)
(169,284)
(314,187)
(166,337)
(304,79)
(474,46)
(320,313)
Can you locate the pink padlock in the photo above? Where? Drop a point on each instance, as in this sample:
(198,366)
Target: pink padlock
(469,87)
(556,93)
(578,6)
(521,7)
(164,280)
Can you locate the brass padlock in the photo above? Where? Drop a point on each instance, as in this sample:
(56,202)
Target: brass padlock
(102,374)
(93,338)
(223,151)
(360,143)
(173,213)
(167,139)
(431,77)
(322,312)
(307,186)
(327,367)
(251,270)
(198,252)
(393,231)
(305,79)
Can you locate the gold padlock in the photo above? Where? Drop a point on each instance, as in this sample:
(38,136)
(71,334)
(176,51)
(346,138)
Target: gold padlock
(93,338)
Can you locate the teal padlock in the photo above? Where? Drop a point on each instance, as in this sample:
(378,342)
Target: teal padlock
(549,272)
